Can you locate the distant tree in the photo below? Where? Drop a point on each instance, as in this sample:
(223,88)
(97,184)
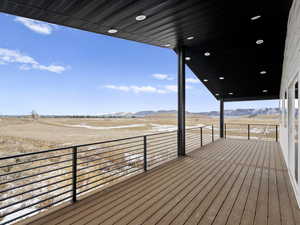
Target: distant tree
(34,115)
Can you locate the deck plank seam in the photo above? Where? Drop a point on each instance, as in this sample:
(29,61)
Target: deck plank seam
(194,196)
(239,156)
(255,158)
(248,190)
(236,149)
(251,159)
(273,158)
(217,192)
(259,189)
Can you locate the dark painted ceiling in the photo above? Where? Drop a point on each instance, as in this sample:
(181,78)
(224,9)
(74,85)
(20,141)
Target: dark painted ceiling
(222,28)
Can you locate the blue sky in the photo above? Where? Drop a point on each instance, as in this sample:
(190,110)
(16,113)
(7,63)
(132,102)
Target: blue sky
(59,70)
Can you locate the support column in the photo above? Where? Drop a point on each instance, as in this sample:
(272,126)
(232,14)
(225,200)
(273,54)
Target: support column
(181,101)
(221,118)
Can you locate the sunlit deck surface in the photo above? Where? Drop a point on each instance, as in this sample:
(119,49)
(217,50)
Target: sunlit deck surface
(227,182)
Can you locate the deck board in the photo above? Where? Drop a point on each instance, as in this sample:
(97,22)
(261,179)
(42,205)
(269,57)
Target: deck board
(229,182)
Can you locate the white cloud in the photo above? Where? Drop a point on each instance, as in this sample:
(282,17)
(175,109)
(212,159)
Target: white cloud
(120,88)
(136,89)
(145,89)
(192,80)
(150,89)
(13,56)
(36,26)
(27,62)
(174,88)
(51,68)
(160,76)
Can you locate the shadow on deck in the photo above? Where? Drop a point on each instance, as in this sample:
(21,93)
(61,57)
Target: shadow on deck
(228,182)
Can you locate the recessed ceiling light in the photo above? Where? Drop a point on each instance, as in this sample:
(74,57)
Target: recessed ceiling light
(217,94)
(255,17)
(263,72)
(190,38)
(221,78)
(265,91)
(230,93)
(259,42)
(187,58)
(112,31)
(207,53)
(140,17)
(205,80)
(167,45)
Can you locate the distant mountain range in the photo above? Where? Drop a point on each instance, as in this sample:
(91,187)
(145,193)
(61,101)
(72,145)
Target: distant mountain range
(244,112)
(230,113)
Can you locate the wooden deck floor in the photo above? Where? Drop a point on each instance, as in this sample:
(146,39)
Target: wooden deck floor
(228,182)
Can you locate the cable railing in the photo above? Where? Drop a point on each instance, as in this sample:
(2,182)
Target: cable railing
(199,136)
(34,182)
(266,132)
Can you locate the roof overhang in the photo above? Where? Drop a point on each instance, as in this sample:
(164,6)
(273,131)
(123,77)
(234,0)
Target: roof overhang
(225,29)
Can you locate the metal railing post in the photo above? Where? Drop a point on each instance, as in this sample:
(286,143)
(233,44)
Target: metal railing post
(212,133)
(221,118)
(145,153)
(74,175)
(248,131)
(276,133)
(181,101)
(201,137)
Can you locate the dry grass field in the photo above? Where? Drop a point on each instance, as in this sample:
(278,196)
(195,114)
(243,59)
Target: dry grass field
(20,135)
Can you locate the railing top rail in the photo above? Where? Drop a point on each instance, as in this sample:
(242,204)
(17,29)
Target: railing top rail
(258,124)
(89,144)
(164,132)
(67,147)
(198,127)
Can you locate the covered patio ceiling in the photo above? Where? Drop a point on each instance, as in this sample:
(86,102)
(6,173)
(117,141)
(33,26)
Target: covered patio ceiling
(234,47)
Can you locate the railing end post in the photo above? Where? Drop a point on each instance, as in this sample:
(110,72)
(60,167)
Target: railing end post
(145,153)
(276,133)
(212,133)
(248,131)
(201,136)
(74,174)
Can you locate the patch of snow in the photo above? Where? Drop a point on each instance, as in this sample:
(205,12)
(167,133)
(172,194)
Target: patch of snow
(22,214)
(106,128)
(133,158)
(165,128)
(162,128)
(262,130)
